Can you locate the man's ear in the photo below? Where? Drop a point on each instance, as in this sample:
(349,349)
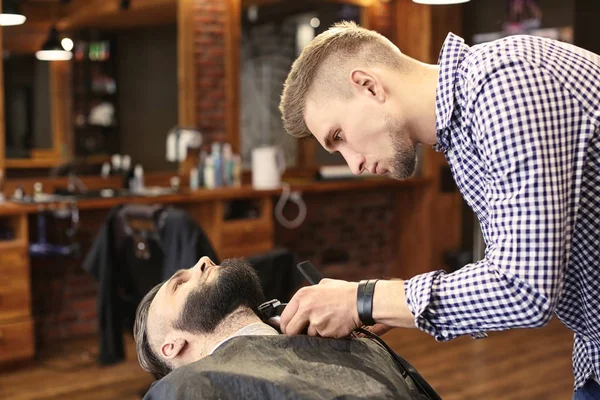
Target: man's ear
(172,347)
(368,84)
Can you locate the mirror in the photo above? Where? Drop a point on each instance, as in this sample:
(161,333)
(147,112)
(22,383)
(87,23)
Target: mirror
(36,95)
(125,93)
(119,90)
(148,102)
(26,105)
(272,37)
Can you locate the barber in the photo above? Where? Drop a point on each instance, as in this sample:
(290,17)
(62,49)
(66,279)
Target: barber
(518,120)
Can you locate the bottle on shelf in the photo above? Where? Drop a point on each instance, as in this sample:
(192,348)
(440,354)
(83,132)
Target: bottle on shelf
(217,160)
(209,174)
(126,170)
(227,165)
(175,183)
(38,190)
(19,193)
(237,170)
(105,171)
(137,181)
(201,164)
(194,178)
(116,163)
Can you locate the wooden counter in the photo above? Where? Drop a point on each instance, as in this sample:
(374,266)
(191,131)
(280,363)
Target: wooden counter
(229,237)
(226,194)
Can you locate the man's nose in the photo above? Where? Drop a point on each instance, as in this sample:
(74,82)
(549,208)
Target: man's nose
(355,161)
(205,262)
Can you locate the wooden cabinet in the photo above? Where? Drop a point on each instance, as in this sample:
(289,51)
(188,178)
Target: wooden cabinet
(250,236)
(14,264)
(16,340)
(16,325)
(15,302)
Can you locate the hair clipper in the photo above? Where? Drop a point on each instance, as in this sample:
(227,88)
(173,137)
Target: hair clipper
(270,311)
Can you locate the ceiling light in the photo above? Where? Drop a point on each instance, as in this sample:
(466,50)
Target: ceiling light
(67,44)
(52,50)
(315,22)
(11,14)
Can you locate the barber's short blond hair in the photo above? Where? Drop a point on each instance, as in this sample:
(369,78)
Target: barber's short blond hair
(322,62)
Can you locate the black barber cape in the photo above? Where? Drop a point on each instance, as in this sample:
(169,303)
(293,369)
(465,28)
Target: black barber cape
(289,367)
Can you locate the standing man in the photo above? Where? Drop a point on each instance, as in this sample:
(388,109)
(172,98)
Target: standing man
(518,120)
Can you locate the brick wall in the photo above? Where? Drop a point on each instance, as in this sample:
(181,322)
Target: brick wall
(64,300)
(209,56)
(63,294)
(346,235)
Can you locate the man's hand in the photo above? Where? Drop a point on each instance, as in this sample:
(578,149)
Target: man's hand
(327,309)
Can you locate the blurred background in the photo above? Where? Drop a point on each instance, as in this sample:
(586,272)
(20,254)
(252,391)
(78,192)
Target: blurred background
(129,109)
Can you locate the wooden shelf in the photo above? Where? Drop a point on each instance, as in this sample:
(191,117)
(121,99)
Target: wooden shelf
(31,163)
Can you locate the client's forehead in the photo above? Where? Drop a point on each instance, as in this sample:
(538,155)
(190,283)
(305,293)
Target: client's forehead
(161,297)
(159,307)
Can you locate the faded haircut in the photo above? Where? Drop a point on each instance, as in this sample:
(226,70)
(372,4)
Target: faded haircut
(148,359)
(324,61)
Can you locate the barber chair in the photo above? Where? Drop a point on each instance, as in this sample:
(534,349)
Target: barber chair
(277,272)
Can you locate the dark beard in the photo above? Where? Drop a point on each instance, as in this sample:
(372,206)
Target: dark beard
(404,163)
(236,285)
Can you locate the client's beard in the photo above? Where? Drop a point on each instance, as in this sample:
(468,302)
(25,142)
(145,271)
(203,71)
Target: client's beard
(404,162)
(236,285)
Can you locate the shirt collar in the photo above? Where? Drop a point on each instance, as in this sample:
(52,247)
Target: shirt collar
(450,56)
(255,329)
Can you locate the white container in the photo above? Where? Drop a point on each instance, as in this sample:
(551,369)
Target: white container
(268,164)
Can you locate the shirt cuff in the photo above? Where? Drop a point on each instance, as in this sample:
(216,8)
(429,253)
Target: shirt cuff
(418,291)
(418,297)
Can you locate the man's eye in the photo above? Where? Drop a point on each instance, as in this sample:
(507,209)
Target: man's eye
(337,137)
(177,284)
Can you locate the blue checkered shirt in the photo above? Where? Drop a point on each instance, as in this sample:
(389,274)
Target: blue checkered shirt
(518,121)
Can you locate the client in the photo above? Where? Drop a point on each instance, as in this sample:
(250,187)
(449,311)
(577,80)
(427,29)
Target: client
(200,335)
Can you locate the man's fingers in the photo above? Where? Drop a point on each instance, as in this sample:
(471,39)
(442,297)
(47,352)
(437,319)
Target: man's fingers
(297,324)
(312,331)
(288,313)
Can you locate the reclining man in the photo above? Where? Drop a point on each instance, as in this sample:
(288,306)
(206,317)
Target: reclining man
(199,334)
